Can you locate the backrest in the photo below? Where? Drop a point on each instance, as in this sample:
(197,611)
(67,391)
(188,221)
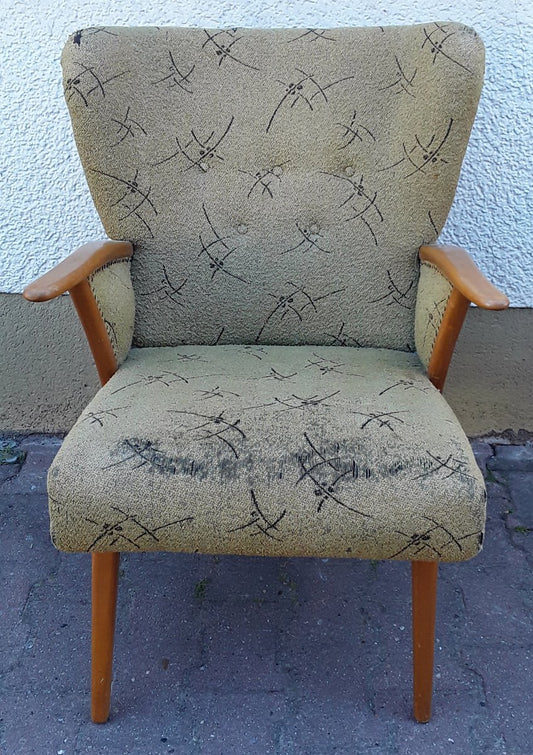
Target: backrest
(276,183)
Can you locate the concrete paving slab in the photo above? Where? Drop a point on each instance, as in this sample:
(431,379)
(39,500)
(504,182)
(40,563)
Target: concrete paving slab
(512,458)
(228,655)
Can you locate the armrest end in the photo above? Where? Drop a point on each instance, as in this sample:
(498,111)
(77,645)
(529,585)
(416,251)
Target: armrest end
(75,268)
(462,272)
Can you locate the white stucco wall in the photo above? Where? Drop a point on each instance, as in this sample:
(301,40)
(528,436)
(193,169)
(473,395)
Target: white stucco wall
(45,209)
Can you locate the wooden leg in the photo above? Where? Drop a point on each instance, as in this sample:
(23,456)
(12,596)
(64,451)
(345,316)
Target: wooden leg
(104,586)
(424,575)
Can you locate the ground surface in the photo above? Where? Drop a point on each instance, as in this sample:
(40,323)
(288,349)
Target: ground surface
(228,655)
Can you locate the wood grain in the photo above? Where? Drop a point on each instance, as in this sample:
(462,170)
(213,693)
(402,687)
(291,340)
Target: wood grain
(460,269)
(76,267)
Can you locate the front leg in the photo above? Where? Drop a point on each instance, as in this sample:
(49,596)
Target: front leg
(104,603)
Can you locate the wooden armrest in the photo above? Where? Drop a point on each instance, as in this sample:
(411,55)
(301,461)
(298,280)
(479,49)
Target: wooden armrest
(462,272)
(75,268)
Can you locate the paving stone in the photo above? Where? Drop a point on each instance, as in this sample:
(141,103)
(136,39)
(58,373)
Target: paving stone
(483,451)
(239,649)
(512,458)
(520,485)
(40,451)
(238,723)
(330,723)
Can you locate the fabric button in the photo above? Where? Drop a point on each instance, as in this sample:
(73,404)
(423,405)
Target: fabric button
(242,228)
(348,170)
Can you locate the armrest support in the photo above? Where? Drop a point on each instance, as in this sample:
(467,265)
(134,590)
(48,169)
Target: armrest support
(97,276)
(461,271)
(76,267)
(449,281)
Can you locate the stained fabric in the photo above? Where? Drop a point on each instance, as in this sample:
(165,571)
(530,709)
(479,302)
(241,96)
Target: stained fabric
(269,450)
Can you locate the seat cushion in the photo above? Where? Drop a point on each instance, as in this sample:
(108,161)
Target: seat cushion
(269,450)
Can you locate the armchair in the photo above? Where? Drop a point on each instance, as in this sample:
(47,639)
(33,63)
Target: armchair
(272,338)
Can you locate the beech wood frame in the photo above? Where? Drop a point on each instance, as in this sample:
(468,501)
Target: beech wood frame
(468,285)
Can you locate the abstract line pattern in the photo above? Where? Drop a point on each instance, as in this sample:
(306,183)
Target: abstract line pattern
(419,154)
(436,42)
(306,89)
(296,402)
(216,427)
(309,240)
(97,418)
(340,338)
(217,251)
(128,127)
(433,539)
(199,149)
(215,392)
(177,78)
(166,378)
(451,465)
(259,522)
(382,419)
(223,42)
(395,294)
(90,31)
(324,364)
(263,179)
(295,302)
(128,529)
(144,454)
(88,82)
(134,200)
(354,130)
(167,289)
(363,203)
(434,320)
(403,82)
(326,473)
(406,385)
(314,35)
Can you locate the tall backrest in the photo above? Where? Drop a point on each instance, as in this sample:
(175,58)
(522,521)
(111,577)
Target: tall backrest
(276,183)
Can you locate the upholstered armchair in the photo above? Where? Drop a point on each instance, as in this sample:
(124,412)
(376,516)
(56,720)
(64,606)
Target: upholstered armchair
(274,325)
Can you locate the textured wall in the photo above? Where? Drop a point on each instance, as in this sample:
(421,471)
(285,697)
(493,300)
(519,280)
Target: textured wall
(44,203)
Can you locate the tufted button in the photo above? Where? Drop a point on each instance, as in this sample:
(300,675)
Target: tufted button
(348,170)
(314,228)
(277,170)
(242,228)
(204,166)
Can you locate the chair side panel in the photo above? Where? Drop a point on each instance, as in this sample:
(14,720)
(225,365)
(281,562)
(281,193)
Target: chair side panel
(276,183)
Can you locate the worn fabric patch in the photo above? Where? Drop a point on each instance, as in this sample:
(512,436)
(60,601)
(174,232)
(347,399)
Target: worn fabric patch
(269,450)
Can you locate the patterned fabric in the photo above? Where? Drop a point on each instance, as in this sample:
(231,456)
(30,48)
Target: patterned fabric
(283,451)
(113,291)
(277,183)
(434,290)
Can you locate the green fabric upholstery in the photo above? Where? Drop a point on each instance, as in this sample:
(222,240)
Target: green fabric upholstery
(277,183)
(113,291)
(434,291)
(269,450)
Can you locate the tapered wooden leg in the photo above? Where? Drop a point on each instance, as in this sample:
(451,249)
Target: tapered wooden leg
(424,604)
(104,588)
